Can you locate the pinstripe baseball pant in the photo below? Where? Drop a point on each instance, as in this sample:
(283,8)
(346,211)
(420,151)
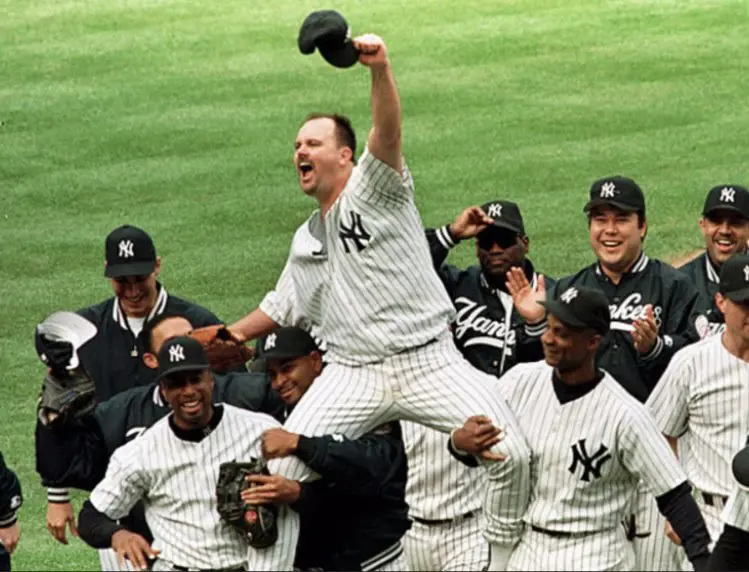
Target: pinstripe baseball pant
(453,546)
(433,385)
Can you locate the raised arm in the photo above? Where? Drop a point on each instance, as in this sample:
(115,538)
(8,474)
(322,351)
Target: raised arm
(384,140)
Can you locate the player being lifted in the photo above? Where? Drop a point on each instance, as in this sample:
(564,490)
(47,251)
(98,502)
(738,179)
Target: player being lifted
(360,271)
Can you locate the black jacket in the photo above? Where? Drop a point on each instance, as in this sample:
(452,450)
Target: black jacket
(705,276)
(11,497)
(675,304)
(357,509)
(481,330)
(112,358)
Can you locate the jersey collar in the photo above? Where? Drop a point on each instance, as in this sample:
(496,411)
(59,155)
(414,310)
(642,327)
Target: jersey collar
(639,266)
(711,270)
(197,435)
(158,308)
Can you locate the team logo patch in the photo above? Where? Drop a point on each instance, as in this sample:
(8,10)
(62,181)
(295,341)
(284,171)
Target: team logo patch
(354,234)
(591,464)
(270,342)
(608,190)
(15,502)
(728,194)
(176,353)
(495,211)
(702,325)
(568,295)
(126,249)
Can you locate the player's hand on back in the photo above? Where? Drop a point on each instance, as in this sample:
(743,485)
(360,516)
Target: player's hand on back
(131,546)
(524,297)
(477,436)
(9,537)
(469,223)
(59,516)
(270,489)
(372,50)
(278,443)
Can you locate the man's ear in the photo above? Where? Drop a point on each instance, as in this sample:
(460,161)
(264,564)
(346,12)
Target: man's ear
(317,363)
(157,266)
(150,360)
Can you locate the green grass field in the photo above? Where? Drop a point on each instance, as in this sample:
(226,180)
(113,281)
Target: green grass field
(179,116)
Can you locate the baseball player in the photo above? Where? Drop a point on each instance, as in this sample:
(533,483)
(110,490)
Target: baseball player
(731,552)
(591,444)
(725,226)
(361,495)
(493,334)
(703,395)
(112,358)
(11,500)
(360,270)
(178,483)
(653,309)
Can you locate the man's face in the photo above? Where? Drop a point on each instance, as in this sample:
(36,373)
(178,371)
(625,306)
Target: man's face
(726,232)
(190,395)
(565,348)
(166,330)
(500,249)
(736,315)
(318,156)
(293,377)
(616,237)
(137,294)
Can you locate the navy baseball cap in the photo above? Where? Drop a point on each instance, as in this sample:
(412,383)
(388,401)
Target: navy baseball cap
(283,343)
(182,353)
(620,192)
(129,251)
(328,31)
(740,468)
(581,308)
(734,278)
(727,197)
(506,214)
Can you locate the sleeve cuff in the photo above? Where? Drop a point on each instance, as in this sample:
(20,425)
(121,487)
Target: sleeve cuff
(271,309)
(57,495)
(306,449)
(8,519)
(537,329)
(445,237)
(656,351)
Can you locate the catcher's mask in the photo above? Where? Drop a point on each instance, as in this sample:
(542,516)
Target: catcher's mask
(58,339)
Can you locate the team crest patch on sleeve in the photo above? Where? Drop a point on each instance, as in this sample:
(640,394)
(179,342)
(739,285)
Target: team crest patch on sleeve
(702,325)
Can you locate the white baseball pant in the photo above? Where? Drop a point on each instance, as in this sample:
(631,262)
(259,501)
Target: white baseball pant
(110,561)
(453,546)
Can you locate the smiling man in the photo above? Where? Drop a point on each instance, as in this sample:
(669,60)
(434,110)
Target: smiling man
(725,226)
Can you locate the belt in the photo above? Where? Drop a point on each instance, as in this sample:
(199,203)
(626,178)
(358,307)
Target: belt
(558,533)
(430,522)
(717,501)
(178,568)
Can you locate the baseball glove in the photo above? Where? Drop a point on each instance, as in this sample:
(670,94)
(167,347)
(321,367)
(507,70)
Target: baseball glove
(257,523)
(224,351)
(64,398)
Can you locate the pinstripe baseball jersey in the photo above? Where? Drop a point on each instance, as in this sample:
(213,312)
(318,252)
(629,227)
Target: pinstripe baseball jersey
(588,451)
(704,394)
(177,477)
(438,487)
(736,512)
(364,273)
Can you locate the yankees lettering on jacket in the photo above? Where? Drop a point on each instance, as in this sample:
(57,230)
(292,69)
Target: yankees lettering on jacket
(475,326)
(633,308)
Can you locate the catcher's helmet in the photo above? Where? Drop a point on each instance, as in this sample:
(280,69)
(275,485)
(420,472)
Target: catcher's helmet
(59,337)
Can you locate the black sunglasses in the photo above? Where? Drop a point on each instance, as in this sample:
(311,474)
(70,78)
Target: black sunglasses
(504,238)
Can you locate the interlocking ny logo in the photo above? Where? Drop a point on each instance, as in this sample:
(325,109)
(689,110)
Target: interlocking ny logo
(607,190)
(746,273)
(176,353)
(126,249)
(270,342)
(591,464)
(727,194)
(354,232)
(568,295)
(495,211)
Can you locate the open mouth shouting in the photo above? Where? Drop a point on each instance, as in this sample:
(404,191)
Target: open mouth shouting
(192,407)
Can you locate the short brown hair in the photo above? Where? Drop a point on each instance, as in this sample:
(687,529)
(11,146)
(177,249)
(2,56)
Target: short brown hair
(344,131)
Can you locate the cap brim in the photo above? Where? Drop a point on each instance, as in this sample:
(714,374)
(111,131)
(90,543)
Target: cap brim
(68,327)
(609,202)
(737,296)
(725,208)
(185,367)
(740,467)
(131,269)
(507,226)
(563,313)
(340,56)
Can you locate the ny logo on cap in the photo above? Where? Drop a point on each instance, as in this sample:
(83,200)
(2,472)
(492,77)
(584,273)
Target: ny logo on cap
(126,249)
(727,194)
(607,190)
(495,211)
(176,353)
(746,273)
(568,295)
(15,502)
(270,342)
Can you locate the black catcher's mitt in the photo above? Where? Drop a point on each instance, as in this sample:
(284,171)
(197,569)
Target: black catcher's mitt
(257,523)
(65,398)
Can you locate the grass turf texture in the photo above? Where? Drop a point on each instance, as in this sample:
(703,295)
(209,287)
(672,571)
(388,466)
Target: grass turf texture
(179,116)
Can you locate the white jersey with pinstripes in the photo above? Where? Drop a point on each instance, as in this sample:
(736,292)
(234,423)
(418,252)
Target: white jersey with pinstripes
(736,512)
(363,273)
(588,454)
(177,481)
(704,395)
(439,487)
